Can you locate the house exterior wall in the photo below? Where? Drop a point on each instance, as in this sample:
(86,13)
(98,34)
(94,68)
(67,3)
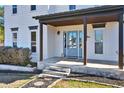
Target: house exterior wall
(110,41)
(53,43)
(22,20)
(62,8)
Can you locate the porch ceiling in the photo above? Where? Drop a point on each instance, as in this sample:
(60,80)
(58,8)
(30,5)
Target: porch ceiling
(79,20)
(94,15)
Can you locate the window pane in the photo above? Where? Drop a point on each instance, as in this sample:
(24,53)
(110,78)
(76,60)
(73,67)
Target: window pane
(14,36)
(80,39)
(33,48)
(99,47)
(98,41)
(98,36)
(33,36)
(72,7)
(72,43)
(64,40)
(14,9)
(33,41)
(14,6)
(33,7)
(14,44)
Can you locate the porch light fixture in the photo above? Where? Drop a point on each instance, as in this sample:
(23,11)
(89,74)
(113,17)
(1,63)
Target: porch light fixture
(58,32)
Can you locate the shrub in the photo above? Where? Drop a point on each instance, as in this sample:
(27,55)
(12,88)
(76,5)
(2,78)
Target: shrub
(15,56)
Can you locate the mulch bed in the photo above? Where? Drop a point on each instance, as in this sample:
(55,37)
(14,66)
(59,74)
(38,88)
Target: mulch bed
(98,79)
(76,76)
(46,83)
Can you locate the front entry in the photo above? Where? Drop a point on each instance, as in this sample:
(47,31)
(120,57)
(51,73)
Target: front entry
(73,44)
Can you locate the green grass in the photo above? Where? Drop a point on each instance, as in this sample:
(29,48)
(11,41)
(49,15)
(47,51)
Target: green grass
(79,84)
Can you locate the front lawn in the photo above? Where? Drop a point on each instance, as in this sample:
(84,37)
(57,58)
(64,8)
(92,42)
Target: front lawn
(14,80)
(79,84)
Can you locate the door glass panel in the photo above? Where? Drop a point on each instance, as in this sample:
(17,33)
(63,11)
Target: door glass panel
(80,39)
(64,36)
(72,40)
(64,43)
(80,43)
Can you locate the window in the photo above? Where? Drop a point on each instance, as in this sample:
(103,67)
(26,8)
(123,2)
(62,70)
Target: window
(14,9)
(33,41)
(33,7)
(72,7)
(99,41)
(14,36)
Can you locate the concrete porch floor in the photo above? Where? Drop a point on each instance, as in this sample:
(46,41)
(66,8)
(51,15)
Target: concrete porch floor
(79,62)
(94,67)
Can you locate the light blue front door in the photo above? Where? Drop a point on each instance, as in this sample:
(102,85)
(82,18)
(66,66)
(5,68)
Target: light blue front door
(73,44)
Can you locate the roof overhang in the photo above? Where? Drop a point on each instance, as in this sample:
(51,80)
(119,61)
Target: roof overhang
(94,15)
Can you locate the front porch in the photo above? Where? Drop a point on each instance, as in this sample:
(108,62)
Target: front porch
(90,16)
(94,67)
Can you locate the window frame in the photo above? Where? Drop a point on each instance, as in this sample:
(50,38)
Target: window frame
(13,39)
(72,7)
(32,8)
(14,9)
(34,43)
(98,42)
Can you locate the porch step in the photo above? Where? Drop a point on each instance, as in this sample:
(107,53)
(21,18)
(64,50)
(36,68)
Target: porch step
(58,68)
(55,71)
(49,75)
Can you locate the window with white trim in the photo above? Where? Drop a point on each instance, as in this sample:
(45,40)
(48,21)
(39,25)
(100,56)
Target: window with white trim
(14,36)
(98,41)
(33,41)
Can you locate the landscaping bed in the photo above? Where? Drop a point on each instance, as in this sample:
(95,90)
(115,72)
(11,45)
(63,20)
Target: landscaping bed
(14,80)
(74,80)
(98,79)
(40,83)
